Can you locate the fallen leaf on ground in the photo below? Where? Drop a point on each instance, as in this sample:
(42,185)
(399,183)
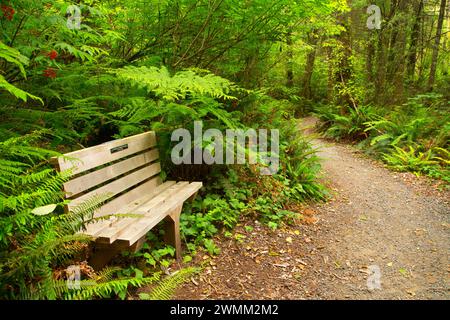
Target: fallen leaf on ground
(411,292)
(403,271)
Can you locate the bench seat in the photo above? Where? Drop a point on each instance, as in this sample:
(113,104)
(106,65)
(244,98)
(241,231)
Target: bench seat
(146,213)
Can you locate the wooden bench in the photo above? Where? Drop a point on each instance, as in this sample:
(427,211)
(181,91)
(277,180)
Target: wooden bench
(126,173)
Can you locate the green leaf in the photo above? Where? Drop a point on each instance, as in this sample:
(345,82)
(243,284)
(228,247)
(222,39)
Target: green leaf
(18,93)
(144,296)
(138,273)
(44,210)
(403,271)
(272,225)
(149,259)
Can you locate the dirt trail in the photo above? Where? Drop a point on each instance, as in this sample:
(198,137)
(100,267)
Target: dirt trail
(377,227)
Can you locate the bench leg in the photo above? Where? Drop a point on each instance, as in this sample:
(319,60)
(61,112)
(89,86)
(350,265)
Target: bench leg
(172,231)
(102,253)
(192,198)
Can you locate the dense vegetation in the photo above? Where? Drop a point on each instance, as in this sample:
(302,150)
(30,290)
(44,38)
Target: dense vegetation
(134,66)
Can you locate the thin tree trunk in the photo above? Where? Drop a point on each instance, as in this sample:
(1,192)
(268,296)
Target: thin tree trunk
(369,61)
(434,59)
(400,48)
(422,53)
(309,68)
(330,82)
(412,54)
(380,69)
(248,74)
(290,62)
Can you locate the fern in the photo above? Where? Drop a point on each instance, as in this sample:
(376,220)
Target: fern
(171,88)
(171,99)
(30,245)
(167,286)
(410,160)
(104,289)
(102,284)
(13,56)
(352,125)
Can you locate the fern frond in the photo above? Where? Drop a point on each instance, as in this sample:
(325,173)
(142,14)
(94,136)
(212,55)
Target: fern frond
(105,289)
(167,286)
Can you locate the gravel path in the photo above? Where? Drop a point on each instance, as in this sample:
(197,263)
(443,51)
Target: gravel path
(383,236)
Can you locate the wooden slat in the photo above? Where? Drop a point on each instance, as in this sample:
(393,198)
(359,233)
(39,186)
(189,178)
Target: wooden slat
(133,195)
(112,233)
(127,202)
(98,155)
(116,204)
(152,217)
(87,181)
(119,185)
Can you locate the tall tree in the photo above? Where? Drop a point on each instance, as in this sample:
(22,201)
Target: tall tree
(309,67)
(290,62)
(412,52)
(437,41)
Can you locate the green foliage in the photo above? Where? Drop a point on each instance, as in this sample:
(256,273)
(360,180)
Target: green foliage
(420,162)
(411,137)
(301,167)
(159,82)
(32,242)
(159,256)
(104,285)
(349,124)
(422,119)
(202,220)
(211,247)
(271,211)
(128,69)
(162,102)
(13,56)
(167,286)
(36,237)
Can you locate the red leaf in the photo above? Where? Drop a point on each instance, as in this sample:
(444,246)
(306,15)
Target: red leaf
(50,73)
(8,12)
(52,54)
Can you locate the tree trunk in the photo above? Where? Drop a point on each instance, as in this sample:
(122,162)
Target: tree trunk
(400,54)
(342,66)
(290,62)
(396,52)
(434,59)
(309,68)
(380,69)
(369,61)
(412,54)
(330,82)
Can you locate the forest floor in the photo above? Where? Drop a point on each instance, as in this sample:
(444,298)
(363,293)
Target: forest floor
(377,220)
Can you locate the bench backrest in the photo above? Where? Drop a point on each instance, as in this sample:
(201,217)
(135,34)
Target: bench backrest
(120,170)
